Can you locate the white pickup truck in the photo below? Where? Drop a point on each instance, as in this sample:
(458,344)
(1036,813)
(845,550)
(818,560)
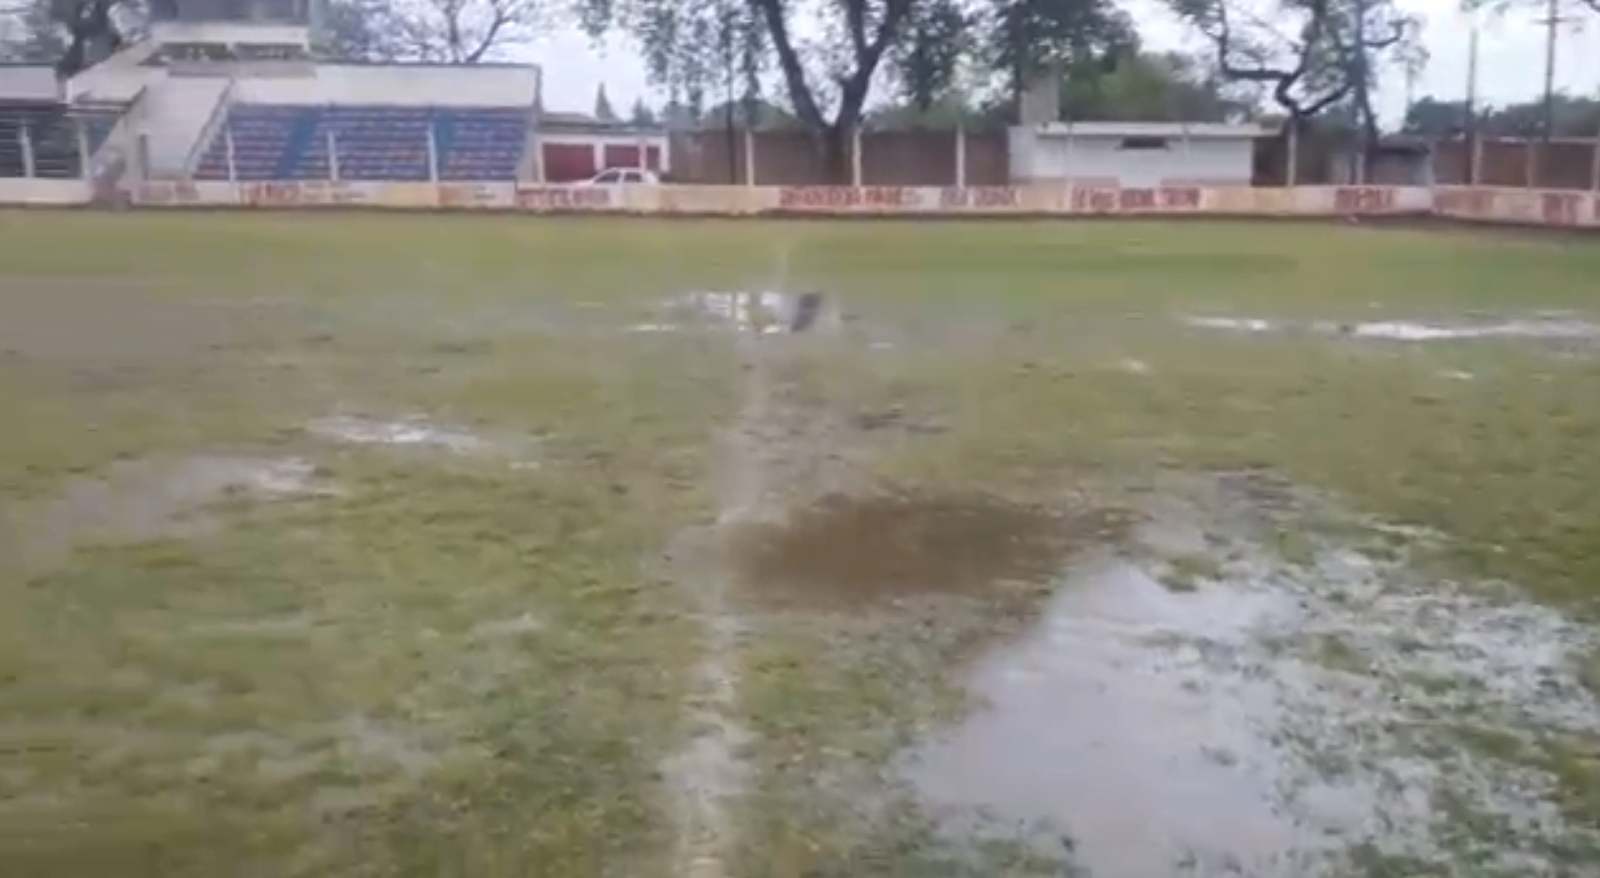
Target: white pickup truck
(623,177)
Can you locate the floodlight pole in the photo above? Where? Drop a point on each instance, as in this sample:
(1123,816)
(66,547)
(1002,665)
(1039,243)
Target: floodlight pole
(1470,123)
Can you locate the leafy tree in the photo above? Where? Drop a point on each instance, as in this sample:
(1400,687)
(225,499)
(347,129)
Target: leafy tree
(1154,87)
(641,114)
(602,106)
(362,30)
(939,36)
(826,78)
(1025,39)
(74,34)
(1574,116)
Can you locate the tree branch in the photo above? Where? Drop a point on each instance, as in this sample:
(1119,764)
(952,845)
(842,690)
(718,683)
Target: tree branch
(794,74)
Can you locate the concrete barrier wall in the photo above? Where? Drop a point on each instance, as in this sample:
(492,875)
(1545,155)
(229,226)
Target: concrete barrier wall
(44,193)
(1520,206)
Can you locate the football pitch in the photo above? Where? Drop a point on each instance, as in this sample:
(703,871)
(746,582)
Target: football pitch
(436,545)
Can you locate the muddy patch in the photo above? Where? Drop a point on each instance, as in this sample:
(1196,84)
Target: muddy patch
(845,550)
(1270,720)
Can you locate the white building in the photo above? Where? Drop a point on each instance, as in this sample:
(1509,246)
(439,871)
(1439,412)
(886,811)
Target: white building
(1134,154)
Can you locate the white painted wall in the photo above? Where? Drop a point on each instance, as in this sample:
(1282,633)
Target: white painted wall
(229,32)
(1101,158)
(407,85)
(176,112)
(29,82)
(118,78)
(44,193)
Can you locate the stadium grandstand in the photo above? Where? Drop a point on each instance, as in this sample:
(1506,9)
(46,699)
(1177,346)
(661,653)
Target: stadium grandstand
(236,90)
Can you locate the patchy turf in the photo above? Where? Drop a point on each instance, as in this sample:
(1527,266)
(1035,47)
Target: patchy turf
(359,542)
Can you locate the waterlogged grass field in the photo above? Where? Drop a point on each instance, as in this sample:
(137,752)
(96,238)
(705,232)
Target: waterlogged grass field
(484,546)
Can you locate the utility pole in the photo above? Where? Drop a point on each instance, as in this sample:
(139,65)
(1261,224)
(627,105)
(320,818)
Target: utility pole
(1552,20)
(1469,125)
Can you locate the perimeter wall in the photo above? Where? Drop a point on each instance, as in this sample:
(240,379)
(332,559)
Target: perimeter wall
(1520,206)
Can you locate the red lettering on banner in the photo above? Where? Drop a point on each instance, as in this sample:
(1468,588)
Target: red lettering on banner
(979,197)
(826,198)
(1180,197)
(541,198)
(1363,199)
(272,194)
(1133,200)
(1087,200)
(1559,208)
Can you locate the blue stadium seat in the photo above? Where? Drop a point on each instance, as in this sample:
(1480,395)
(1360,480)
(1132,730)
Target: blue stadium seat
(374,142)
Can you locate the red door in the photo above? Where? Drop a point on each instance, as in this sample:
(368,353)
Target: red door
(565,162)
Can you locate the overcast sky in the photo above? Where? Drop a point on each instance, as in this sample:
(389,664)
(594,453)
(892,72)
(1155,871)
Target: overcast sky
(1511,59)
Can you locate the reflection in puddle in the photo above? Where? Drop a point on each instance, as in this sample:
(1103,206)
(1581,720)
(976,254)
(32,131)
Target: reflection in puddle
(763,312)
(1264,723)
(410,431)
(1242,324)
(1133,724)
(1545,327)
(1549,329)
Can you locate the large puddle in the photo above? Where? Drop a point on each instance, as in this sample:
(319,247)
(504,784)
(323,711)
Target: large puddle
(1268,720)
(136,500)
(764,312)
(1548,327)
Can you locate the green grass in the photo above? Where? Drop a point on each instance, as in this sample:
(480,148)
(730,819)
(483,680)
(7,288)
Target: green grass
(339,684)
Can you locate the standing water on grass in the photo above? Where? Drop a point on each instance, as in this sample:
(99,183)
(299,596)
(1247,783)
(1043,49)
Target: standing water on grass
(1267,721)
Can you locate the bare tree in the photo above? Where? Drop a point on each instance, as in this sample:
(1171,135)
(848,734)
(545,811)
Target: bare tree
(827,53)
(1311,54)
(461,31)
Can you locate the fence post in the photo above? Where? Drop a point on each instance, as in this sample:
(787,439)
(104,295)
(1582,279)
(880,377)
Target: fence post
(82,131)
(1291,170)
(228,154)
(1530,164)
(749,157)
(333,155)
(1066,155)
(433,154)
(855,155)
(25,141)
(961,155)
(1594,164)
